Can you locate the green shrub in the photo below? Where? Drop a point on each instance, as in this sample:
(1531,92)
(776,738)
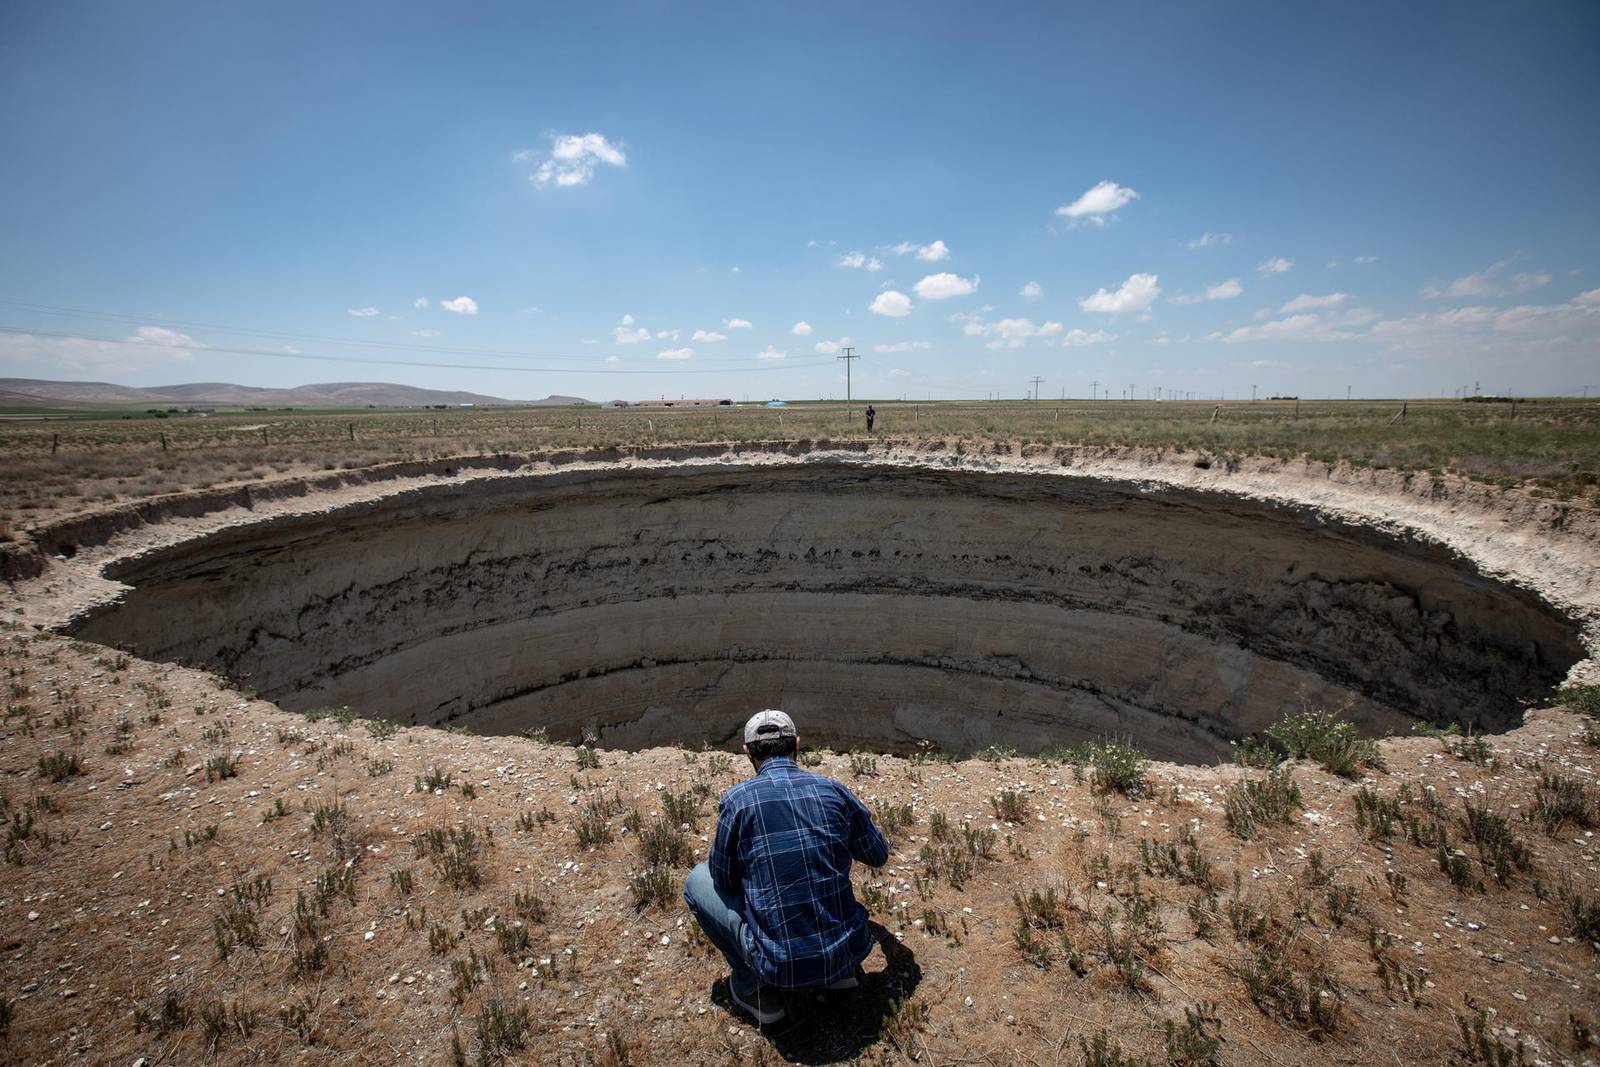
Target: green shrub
(1118,768)
(1331,741)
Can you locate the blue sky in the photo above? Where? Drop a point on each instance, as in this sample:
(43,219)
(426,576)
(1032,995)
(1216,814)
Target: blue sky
(1200,196)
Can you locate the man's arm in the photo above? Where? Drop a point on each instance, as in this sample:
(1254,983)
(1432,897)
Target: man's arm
(724,858)
(867,843)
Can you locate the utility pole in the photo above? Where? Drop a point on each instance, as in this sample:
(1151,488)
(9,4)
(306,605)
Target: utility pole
(1347,392)
(1252,392)
(1036,380)
(849,411)
(1094,389)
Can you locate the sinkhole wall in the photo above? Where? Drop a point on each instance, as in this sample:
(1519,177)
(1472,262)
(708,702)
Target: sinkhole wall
(878,604)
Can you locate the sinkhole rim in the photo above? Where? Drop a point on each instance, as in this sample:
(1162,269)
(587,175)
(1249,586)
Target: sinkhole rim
(533,482)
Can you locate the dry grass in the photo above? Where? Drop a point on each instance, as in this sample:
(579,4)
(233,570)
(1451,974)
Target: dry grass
(1552,447)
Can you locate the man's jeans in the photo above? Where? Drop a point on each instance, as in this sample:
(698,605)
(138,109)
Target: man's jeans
(718,915)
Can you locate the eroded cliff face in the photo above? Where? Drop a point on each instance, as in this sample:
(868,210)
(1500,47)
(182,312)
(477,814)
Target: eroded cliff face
(880,605)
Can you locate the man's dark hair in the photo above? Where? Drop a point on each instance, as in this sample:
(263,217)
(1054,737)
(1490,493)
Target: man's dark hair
(765,748)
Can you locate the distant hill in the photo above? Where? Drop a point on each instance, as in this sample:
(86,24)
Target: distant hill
(326,394)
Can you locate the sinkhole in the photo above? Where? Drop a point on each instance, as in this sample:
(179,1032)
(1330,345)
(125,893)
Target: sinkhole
(880,605)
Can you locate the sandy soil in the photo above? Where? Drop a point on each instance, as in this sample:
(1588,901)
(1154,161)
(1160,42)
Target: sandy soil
(116,877)
(119,908)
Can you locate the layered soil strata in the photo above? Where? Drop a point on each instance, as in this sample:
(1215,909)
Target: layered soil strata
(882,605)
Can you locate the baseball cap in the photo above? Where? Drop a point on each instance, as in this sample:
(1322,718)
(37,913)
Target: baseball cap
(769,723)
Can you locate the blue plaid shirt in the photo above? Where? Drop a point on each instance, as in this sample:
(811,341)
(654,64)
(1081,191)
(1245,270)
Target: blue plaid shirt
(785,839)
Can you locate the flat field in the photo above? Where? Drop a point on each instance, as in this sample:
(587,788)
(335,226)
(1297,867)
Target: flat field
(56,466)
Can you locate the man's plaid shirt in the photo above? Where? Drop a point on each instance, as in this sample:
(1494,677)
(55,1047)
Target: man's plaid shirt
(785,839)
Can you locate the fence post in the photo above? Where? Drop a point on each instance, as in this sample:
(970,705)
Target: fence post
(163,442)
(1296,409)
(55,443)
(1214,413)
(352,431)
(263,435)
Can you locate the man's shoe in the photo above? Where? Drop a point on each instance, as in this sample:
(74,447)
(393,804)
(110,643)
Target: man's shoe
(848,982)
(752,1005)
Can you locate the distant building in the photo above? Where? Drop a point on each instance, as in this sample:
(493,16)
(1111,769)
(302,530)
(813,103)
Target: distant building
(704,402)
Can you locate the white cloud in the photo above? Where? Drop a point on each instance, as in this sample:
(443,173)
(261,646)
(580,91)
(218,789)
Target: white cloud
(613,360)
(858,260)
(1010,333)
(801,329)
(425,333)
(625,335)
(626,320)
(1293,328)
(1493,281)
(676,353)
(1307,302)
(1098,204)
(736,324)
(160,335)
(1030,291)
(944,286)
(708,336)
(461,305)
(572,159)
(1224,290)
(902,346)
(148,347)
(828,348)
(420,302)
(1275,265)
(936,252)
(1207,239)
(1364,260)
(363,313)
(891,302)
(1572,328)
(770,353)
(1077,338)
(1135,294)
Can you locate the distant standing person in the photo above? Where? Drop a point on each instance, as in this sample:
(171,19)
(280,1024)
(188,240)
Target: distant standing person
(775,894)
(871,414)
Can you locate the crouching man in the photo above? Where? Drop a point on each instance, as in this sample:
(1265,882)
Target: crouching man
(775,895)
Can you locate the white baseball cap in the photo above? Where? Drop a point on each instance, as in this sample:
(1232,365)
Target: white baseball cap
(769,723)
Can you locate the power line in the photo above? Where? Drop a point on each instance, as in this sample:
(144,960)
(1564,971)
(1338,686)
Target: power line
(201,348)
(849,357)
(1036,380)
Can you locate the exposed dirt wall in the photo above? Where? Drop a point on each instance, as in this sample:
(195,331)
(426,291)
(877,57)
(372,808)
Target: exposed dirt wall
(884,602)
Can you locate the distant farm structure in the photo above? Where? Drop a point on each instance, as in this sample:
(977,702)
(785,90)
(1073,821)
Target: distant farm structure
(704,402)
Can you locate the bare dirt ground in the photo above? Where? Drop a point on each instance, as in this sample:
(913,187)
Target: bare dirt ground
(120,907)
(215,879)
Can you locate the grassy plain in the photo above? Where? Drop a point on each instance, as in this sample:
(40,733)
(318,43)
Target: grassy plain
(59,465)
